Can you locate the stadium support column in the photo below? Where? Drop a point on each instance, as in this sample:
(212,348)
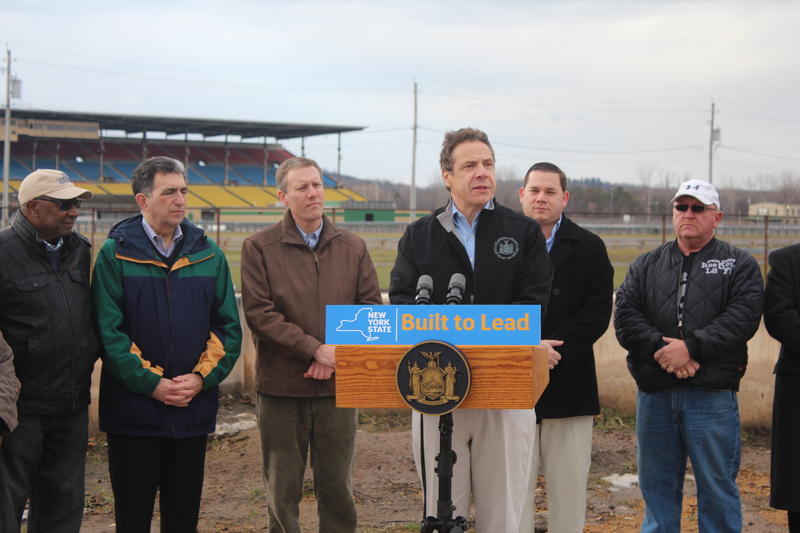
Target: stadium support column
(102,153)
(302,146)
(266,162)
(186,153)
(339,156)
(7,140)
(227,151)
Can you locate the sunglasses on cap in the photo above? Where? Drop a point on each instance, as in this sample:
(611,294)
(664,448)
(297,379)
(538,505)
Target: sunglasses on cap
(695,208)
(64,205)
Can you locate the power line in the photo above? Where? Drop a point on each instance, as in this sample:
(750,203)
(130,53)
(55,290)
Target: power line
(217,73)
(206,82)
(560,106)
(762,154)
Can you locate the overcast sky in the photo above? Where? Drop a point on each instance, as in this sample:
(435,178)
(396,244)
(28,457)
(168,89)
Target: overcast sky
(603,89)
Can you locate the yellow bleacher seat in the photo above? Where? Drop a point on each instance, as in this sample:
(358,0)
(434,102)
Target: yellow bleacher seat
(258,196)
(116,188)
(332,195)
(218,196)
(354,195)
(194,201)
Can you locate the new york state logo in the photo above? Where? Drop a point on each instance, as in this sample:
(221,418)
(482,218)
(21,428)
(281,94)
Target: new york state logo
(506,248)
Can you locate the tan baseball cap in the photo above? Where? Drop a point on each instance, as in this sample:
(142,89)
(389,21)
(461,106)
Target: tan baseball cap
(52,183)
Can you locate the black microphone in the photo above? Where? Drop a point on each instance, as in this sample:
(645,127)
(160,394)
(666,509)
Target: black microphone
(424,290)
(455,291)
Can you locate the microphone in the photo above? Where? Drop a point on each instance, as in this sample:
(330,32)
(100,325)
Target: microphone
(424,290)
(455,290)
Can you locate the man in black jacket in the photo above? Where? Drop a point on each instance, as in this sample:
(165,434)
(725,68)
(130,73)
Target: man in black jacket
(577,315)
(504,260)
(684,313)
(46,318)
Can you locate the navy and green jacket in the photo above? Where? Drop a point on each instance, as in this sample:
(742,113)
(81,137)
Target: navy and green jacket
(156,320)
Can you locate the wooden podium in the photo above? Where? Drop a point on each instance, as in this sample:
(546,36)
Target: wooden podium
(502,377)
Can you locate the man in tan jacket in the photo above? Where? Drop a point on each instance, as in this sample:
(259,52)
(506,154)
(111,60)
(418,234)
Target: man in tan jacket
(290,272)
(9,390)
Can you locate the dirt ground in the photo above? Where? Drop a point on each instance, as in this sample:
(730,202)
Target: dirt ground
(387,489)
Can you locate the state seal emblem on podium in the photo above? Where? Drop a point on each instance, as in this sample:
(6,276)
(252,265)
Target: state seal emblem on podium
(433,377)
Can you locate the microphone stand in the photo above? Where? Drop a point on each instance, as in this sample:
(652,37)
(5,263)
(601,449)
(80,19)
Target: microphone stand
(444,522)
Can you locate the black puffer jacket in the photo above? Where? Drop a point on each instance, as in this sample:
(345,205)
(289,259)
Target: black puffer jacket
(46,318)
(724,301)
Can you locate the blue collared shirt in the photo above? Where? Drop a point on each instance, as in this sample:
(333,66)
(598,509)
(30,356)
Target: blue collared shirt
(549,242)
(311,238)
(466,231)
(158,242)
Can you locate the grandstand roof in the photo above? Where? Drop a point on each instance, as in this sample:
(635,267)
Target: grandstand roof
(175,125)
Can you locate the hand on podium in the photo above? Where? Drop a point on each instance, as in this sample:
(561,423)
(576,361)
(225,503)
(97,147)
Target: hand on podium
(553,357)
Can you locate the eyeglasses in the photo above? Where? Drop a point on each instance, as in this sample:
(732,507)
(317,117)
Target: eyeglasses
(64,205)
(695,208)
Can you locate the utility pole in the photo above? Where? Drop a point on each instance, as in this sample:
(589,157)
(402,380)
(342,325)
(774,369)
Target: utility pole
(413,196)
(7,140)
(714,137)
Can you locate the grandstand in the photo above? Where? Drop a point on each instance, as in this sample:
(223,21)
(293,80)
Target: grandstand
(229,164)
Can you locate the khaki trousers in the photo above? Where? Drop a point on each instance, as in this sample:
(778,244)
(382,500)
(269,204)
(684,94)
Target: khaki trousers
(564,447)
(290,427)
(494,450)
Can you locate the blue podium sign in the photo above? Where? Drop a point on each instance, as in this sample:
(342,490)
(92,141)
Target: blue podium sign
(467,325)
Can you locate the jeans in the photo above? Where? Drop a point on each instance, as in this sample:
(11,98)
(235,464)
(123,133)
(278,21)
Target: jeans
(702,424)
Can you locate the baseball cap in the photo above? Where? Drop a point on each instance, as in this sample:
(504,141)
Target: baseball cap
(52,183)
(702,190)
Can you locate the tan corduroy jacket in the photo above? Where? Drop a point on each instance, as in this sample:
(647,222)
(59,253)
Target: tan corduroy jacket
(9,386)
(285,288)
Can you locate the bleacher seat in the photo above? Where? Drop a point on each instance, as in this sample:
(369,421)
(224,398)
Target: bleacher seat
(16,170)
(195,178)
(213,173)
(258,196)
(218,196)
(255,174)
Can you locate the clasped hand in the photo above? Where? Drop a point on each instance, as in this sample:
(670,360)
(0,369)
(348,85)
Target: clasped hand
(178,391)
(674,358)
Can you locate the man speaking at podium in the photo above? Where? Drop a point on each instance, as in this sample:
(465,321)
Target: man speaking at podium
(502,254)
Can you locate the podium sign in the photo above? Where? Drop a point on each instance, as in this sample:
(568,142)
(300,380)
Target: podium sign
(469,325)
(508,370)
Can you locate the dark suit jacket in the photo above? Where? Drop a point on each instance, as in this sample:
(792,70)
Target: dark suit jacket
(782,306)
(578,313)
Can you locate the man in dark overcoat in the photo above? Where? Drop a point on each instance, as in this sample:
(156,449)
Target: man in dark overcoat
(578,314)
(782,318)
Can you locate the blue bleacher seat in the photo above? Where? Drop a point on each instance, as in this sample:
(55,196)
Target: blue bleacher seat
(327,181)
(16,171)
(89,170)
(255,174)
(215,173)
(126,167)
